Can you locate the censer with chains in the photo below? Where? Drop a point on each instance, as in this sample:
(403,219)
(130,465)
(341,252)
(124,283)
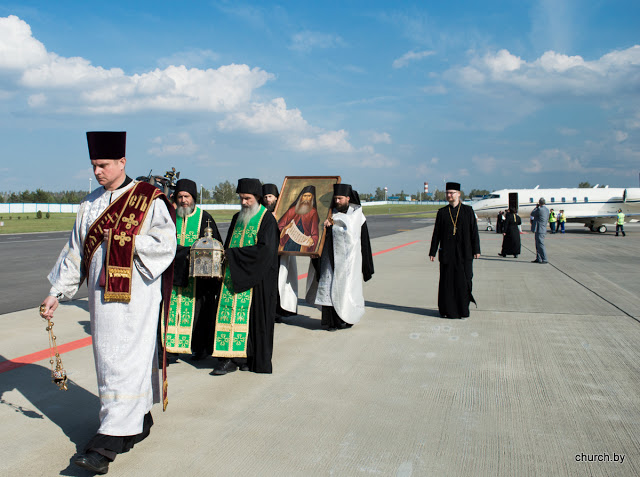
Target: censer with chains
(58,374)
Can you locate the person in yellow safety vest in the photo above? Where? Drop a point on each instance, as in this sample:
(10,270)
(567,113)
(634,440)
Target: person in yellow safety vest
(561,220)
(552,221)
(620,223)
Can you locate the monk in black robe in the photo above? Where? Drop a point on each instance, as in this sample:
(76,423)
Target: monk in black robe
(511,235)
(456,237)
(252,267)
(206,295)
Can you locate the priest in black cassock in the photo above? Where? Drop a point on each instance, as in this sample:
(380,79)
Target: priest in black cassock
(247,304)
(193,300)
(511,234)
(334,282)
(455,236)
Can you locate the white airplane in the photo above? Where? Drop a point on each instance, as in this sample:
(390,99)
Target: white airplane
(594,207)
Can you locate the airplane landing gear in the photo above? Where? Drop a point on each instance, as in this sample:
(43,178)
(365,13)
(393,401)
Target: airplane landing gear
(602,229)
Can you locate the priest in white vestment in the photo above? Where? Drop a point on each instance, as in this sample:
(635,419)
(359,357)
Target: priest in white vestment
(124,328)
(334,282)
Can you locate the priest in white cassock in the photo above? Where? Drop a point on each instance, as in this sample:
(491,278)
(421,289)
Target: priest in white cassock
(334,281)
(123,244)
(287,266)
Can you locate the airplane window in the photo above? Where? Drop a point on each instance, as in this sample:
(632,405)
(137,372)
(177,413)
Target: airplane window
(563,199)
(494,196)
(575,199)
(531,200)
(586,199)
(553,199)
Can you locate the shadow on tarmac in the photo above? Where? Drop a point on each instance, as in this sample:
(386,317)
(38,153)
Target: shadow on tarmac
(405,309)
(303,321)
(74,411)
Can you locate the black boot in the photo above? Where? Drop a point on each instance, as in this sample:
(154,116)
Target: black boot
(93,461)
(227,367)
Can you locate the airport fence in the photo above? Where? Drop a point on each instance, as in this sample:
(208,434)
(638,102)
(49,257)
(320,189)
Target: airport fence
(26,208)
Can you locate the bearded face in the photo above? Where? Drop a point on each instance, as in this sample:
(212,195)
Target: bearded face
(185,211)
(341,203)
(305,204)
(248,208)
(270,201)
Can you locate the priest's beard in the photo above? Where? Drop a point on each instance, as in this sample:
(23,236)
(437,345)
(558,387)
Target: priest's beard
(247,213)
(185,211)
(303,208)
(342,208)
(271,207)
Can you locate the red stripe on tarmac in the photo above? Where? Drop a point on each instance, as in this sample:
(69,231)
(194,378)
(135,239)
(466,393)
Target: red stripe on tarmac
(65,348)
(395,248)
(44,354)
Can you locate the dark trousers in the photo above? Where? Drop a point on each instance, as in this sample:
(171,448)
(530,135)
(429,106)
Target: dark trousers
(620,227)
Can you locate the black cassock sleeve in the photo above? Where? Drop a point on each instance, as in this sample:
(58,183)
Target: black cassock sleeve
(435,238)
(367,256)
(181,267)
(475,236)
(250,265)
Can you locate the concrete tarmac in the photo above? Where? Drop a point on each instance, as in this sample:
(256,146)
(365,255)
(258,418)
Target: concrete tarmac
(542,379)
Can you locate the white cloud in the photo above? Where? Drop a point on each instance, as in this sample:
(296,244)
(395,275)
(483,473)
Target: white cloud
(74,84)
(553,160)
(552,74)
(621,136)
(334,141)
(434,160)
(378,138)
(18,49)
(179,144)
(266,118)
(36,100)
(410,56)
(308,40)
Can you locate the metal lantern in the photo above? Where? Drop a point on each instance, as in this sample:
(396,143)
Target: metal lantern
(206,256)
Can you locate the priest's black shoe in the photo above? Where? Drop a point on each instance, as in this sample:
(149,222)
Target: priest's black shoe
(536,261)
(243,367)
(228,367)
(93,461)
(199,355)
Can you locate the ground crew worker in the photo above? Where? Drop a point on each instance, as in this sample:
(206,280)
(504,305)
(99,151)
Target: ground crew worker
(620,223)
(552,221)
(561,220)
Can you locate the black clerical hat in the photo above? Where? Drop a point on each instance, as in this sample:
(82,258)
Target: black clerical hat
(452,186)
(342,189)
(107,144)
(249,186)
(270,189)
(186,185)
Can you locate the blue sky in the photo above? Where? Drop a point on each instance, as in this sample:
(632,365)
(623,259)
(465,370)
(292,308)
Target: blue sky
(492,94)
